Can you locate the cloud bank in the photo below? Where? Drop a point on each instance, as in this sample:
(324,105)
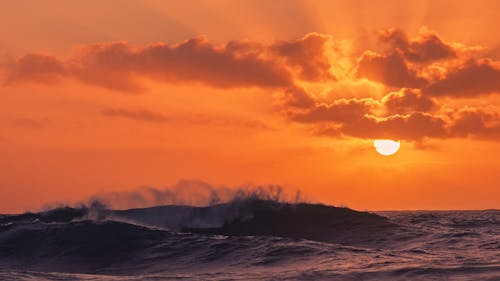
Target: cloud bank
(422,75)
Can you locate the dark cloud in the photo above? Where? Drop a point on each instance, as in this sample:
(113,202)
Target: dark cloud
(36,67)
(308,55)
(31,123)
(137,114)
(297,97)
(189,120)
(119,66)
(426,47)
(419,70)
(476,123)
(406,101)
(410,118)
(391,70)
(342,110)
(116,66)
(328,130)
(226,121)
(414,126)
(110,65)
(469,80)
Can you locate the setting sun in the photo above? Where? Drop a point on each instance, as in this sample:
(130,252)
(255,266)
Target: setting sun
(386,147)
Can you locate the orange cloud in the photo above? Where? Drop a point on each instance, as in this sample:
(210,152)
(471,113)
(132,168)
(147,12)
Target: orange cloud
(410,111)
(297,97)
(308,55)
(31,123)
(406,101)
(138,114)
(117,66)
(36,67)
(472,79)
(414,126)
(389,69)
(426,47)
(476,123)
(342,110)
(411,116)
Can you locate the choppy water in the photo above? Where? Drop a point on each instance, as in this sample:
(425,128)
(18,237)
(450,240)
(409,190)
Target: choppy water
(250,241)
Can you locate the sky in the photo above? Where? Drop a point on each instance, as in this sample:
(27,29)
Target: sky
(111,96)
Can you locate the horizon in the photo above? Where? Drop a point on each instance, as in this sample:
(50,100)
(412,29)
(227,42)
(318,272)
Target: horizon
(110,204)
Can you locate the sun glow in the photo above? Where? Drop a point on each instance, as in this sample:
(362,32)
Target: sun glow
(386,147)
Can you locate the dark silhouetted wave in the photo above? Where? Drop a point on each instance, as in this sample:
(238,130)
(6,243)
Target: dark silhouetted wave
(248,240)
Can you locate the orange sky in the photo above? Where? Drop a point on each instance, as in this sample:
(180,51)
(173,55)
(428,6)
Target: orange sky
(109,96)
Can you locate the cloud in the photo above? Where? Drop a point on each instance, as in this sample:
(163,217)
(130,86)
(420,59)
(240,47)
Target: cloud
(407,118)
(194,60)
(119,66)
(410,116)
(297,97)
(425,47)
(417,71)
(474,78)
(31,123)
(342,110)
(307,55)
(189,120)
(328,130)
(136,114)
(414,126)
(406,101)
(391,70)
(36,67)
(476,123)
(226,121)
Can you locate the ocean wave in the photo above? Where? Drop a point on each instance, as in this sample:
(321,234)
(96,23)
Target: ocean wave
(247,240)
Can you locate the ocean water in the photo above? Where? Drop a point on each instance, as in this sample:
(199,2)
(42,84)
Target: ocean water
(250,240)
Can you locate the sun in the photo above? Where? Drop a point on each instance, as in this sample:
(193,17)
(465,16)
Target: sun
(386,147)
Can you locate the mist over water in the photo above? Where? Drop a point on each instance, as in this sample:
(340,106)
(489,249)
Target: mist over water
(194,193)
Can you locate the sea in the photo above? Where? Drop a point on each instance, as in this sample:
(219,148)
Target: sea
(249,240)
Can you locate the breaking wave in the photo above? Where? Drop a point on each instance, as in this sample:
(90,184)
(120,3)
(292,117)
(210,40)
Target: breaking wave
(248,240)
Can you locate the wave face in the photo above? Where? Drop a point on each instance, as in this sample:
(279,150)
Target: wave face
(249,240)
